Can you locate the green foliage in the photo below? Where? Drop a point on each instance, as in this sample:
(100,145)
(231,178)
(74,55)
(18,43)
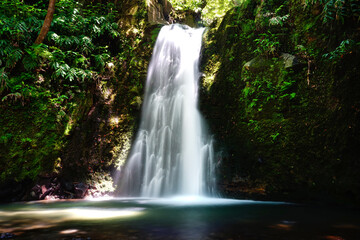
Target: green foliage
(30,60)
(183,5)
(267,44)
(345,47)
(41,85)
(337,10)
(210,10)
(296,121)
(4,79)
(217,9)
(278,20)
(269,87)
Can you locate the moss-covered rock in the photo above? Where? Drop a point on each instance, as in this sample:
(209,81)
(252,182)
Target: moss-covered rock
(285,122)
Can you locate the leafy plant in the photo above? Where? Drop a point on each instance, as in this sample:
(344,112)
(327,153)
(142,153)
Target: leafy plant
(3,79)
(344,48)
(43,83)
(337,10)
(267,44)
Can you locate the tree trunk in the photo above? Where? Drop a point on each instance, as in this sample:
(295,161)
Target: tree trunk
(47,22)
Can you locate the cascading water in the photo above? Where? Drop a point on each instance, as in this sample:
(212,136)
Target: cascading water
(172,153)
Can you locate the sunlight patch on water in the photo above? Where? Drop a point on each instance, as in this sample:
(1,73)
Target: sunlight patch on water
(89,214)
(69,231)
(59,215)
(98,199)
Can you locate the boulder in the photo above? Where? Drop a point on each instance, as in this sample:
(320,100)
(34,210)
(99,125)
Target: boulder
(290,61)
(261,62)
(35,192)
(257,64)
(81,190)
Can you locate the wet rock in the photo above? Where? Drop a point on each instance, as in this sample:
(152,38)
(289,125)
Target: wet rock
(155,13)
(159,11)
(35,192)
(45,192)
(290,61)
(80,190)
(46,188)
(7,236)
(68,186)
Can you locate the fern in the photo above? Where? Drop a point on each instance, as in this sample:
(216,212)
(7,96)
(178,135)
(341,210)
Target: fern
(62,70)
(13,96)
(75,41)
(344,48)
(3,79)
(81,61)
(96,30)
(30,60)
(337,10)
(41,50)
(87,45)
(35,22)
(278,20)
(54,37)
(56,58)
(14,57)
(71,74)
(21,27)
(5,48)
(83,74)
(100,60)
(9,49)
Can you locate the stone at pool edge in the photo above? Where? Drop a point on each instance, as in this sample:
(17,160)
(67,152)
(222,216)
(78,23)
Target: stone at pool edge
(7,236)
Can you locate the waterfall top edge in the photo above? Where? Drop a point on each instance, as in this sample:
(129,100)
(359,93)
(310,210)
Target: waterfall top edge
(183,27)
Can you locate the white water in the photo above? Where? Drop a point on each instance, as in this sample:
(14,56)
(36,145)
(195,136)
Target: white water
(172,153)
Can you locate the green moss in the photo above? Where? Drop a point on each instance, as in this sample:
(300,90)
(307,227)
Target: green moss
(34,143)
(284,118)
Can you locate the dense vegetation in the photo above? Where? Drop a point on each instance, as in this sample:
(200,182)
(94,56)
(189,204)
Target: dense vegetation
(286,75)
(280,92)
(86,63)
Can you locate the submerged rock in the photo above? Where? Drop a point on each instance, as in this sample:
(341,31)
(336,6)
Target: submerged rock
(7,236)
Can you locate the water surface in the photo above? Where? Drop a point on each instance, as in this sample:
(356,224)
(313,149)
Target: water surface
(176,218)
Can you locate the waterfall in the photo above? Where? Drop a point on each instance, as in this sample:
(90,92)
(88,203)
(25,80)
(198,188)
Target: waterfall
(172,153)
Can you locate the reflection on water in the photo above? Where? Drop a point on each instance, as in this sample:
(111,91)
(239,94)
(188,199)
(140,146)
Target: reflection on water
(177,218)
(61,215)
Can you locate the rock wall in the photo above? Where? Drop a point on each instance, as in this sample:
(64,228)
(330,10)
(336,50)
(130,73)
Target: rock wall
(282,104)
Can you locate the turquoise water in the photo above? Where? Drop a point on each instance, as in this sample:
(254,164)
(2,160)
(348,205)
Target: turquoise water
(176,218)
